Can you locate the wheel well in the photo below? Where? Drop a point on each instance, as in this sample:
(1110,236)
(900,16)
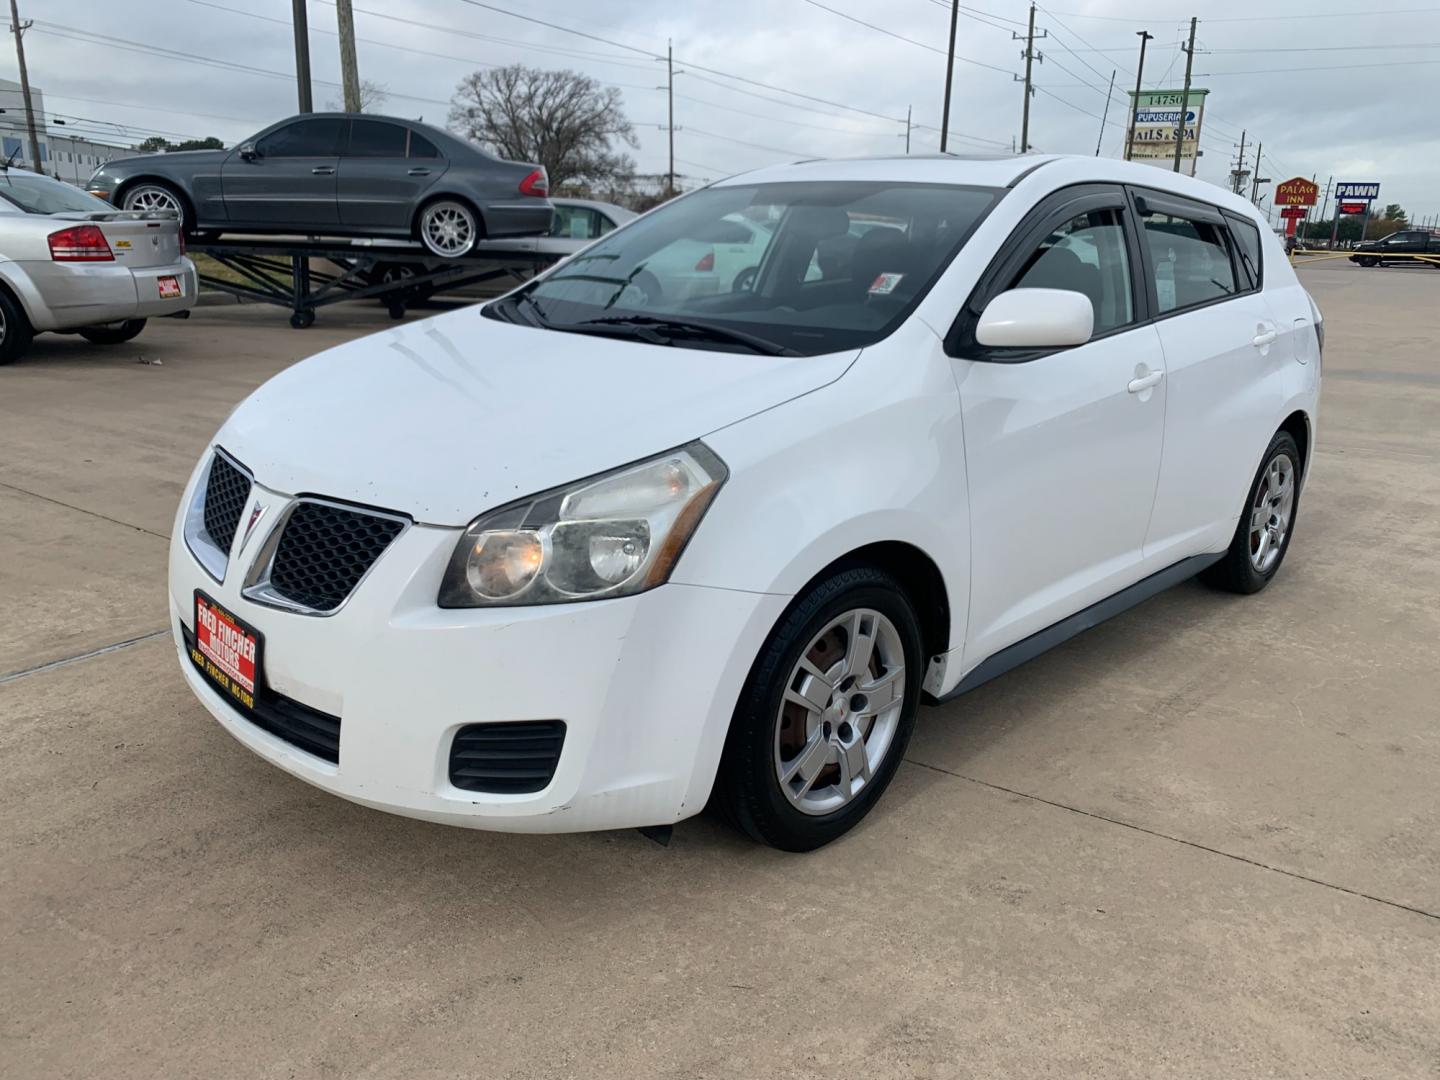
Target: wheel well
(1298,425)
(479,217)
(19,303)
(176,188)
(918,576)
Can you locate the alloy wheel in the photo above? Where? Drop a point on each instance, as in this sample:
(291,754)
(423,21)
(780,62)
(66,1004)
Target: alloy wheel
(448,229)
(150,197)
(840,712)
(1271,513)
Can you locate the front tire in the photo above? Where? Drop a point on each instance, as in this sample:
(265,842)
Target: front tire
(1267,523)
(155,195)
(826,713)
(113,335)
(449,228)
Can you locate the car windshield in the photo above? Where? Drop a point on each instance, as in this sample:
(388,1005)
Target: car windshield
(793,268)
(41,195)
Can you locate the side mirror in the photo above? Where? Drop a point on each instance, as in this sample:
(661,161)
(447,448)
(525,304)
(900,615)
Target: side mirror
(1036,319)
(248,151)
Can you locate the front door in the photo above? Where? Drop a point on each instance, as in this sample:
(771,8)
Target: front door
(384,169)
(287,182)
(1062,447)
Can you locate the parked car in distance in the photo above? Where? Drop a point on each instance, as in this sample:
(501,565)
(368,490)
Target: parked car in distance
(608,549)
(338,174)
(71,263)
(1405,243)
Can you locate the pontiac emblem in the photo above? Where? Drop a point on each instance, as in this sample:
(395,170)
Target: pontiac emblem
(256,513)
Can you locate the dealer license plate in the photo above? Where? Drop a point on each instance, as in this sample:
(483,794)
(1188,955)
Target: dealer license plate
(227,651)
(169,287)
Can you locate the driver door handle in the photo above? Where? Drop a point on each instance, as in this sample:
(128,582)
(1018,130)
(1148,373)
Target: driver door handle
(418,172)
(1265,337)
(1145,382)
(323,170)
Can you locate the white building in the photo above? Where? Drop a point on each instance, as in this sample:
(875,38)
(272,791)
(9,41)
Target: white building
(67,157)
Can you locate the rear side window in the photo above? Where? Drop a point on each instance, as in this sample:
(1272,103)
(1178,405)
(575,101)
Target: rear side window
(1190,261)
(421,147)
(304,138)
(374,138)
(1247,239)
(1087,255)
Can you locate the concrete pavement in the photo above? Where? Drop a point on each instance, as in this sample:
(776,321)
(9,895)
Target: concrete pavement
(1199,841)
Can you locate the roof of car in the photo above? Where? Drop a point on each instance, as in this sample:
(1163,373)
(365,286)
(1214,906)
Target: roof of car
(594,204)
(1005,171)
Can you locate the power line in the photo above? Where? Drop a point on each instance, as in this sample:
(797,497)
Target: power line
(742,142)
(1327,67)
(907,40)
(1153,18)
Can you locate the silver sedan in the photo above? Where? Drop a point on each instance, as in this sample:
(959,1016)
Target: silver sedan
(70,262)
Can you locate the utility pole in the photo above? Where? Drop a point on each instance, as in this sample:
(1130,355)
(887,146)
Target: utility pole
(1030,56)
(349,73)
(1238,176)
(1256,180)
(1325,204)
(1185,102)
(1145,36)
(1106,114)
(18,29)
(907,129)
(670,115)
(949,74)
(302,54)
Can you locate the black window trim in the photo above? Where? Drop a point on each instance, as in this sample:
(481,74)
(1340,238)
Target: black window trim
(1148,201)
(1053,210)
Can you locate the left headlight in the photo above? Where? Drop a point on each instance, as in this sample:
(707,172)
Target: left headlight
(610,535)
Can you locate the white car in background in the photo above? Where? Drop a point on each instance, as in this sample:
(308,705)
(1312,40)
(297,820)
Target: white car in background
(74,264)
(609,549)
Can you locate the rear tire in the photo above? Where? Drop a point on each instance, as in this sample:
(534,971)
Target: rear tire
(1267,522)
(15,330)
(801,769)
(113,335)
(449,228)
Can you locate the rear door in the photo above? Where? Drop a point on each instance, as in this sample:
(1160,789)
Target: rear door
(289,181)
(385,168)
(1062,446)
(1225,352)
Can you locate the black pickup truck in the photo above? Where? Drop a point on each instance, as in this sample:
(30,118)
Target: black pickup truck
(1406,243)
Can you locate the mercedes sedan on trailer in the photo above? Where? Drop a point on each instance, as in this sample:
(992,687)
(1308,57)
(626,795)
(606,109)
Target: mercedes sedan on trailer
(336,174)
(70,263)
(609,549)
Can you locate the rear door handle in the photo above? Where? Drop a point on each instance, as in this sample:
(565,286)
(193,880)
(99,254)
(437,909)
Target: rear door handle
(418,172)
(323,170)
(1145,382)
(1264,338)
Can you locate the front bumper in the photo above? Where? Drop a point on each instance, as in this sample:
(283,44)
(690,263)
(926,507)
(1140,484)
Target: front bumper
(645,685)
(68,296)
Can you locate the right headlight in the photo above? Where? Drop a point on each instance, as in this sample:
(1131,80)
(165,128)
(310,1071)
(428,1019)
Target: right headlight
(610,535)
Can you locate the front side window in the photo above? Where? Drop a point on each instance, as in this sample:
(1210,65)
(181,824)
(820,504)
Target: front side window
(375,138)
(1190,259)
(304,138)
(1086,254)
(743,259)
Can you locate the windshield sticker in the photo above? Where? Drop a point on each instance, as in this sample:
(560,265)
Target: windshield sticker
(885,284)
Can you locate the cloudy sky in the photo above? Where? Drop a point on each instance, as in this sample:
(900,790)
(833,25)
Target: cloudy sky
(1328,91)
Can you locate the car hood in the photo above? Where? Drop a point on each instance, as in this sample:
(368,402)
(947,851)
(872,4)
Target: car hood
(447,418)
(177,157)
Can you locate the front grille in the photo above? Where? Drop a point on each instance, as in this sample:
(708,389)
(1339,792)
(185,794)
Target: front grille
(506,759)
(324,552)
(226,492)
(311,730)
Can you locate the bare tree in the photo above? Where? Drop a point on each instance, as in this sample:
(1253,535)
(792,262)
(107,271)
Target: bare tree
(373,96)
(562,120)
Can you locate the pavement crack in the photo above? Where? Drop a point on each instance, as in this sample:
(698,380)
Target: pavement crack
(82,510)
(1179,840)
(66,661)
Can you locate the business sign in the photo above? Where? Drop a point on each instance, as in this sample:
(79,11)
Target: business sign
(1296,192)
(1293,212)
(1365,191)
(1354,207)
(1155,118)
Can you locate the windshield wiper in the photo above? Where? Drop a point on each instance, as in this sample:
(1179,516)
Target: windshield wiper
(664,331)
(511,305)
